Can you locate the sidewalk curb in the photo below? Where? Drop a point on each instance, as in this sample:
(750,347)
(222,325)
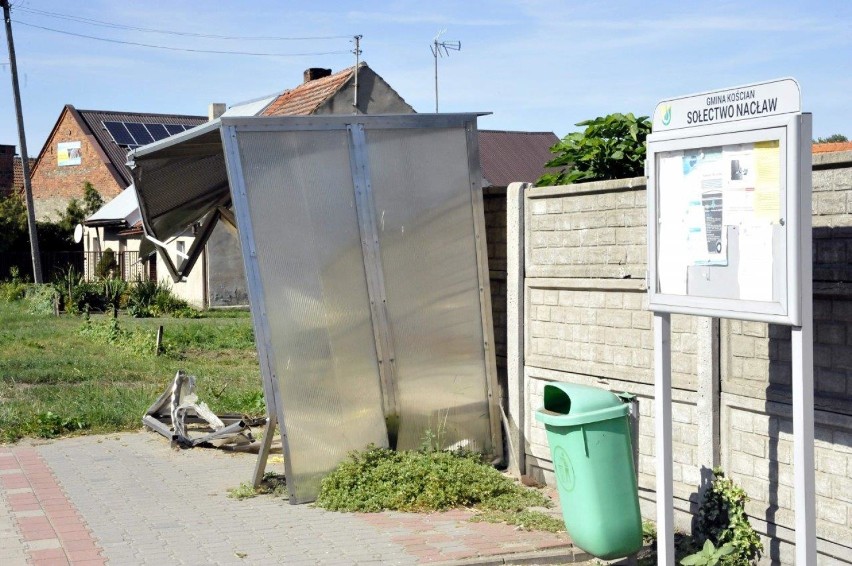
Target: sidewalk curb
(568,555)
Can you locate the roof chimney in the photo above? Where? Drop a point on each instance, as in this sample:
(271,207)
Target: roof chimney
(215,110)
(315,73)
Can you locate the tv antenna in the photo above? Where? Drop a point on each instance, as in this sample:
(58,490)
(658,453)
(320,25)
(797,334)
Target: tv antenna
(443,49)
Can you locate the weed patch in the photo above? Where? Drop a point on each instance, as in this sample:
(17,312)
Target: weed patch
(273,484)
(379,479)
(109,332)
(41,299)
(529,520)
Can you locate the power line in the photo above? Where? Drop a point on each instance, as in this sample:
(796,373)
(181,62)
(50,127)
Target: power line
(113,25)
(185,49)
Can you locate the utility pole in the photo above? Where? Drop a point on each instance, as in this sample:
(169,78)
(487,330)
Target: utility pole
(437,47)
(357,52)
(22,142)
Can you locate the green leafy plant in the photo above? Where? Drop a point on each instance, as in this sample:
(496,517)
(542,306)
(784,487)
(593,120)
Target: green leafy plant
(78,295)
(15,288)
(141,296)
(709,555)
(722,520)
(377,479)
(611,147)
(147,298)
(50,425)
(113,291)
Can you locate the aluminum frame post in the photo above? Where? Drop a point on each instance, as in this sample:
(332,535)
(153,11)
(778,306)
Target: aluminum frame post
(802,345)
(663,437)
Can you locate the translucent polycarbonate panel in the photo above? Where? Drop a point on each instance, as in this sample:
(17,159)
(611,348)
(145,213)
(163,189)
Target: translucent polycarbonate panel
(302,209)
(421,190)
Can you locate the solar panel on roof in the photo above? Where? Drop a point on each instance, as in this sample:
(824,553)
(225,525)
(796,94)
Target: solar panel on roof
(157,131)
(174,128)
(119,133)
(139,132)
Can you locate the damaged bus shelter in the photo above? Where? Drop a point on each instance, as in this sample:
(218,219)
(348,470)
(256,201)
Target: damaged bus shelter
(363,242)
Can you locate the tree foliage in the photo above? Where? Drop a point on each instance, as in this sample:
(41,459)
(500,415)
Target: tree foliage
(92,199)
(611,147)
(52,236)
(77,211)
(13,224)
(833,138)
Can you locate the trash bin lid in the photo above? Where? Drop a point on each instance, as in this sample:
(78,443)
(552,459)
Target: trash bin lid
(569,404)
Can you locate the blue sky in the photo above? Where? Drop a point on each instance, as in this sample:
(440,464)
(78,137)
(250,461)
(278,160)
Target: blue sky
(538,66)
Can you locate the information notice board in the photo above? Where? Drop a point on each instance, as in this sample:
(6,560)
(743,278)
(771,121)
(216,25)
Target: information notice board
(725,203)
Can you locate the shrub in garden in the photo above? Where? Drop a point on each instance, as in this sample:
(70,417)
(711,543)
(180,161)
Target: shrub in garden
(78,295)
(42,299)
(107,265)
(151,298)
(15,288)
(113,290)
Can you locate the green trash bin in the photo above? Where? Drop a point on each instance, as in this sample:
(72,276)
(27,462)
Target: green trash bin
(589,437)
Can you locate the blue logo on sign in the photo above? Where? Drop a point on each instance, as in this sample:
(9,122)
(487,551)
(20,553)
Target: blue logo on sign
(667,115)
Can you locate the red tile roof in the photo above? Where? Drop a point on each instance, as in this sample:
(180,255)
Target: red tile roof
(307,97)
(507,157)
(831,147)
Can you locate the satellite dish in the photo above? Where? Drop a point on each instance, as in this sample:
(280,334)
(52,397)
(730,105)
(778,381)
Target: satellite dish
(78,233)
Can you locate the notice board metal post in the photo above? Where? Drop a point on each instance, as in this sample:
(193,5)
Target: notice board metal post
(729,236)
(663,436)
(802,342)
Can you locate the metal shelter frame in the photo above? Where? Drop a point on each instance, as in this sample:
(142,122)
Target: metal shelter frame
(197,176)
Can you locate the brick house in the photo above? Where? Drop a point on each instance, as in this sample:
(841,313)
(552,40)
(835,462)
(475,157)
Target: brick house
(80,149)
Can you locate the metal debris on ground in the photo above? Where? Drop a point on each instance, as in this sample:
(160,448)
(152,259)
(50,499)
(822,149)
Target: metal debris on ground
(177,413)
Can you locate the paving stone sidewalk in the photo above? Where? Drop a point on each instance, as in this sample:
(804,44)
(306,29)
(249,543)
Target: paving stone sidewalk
(127,499)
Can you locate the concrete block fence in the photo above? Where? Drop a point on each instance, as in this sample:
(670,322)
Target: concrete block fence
(576,311)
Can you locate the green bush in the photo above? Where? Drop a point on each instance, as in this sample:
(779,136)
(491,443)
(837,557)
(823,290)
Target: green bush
(15,288)
(78,295)
(140,297)
(722,520)
(42,299)
(611,147)
(113,290)
(151,298)
(107,265)
(377,479)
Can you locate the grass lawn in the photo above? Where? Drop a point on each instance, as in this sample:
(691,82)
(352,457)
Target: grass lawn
(55,379)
